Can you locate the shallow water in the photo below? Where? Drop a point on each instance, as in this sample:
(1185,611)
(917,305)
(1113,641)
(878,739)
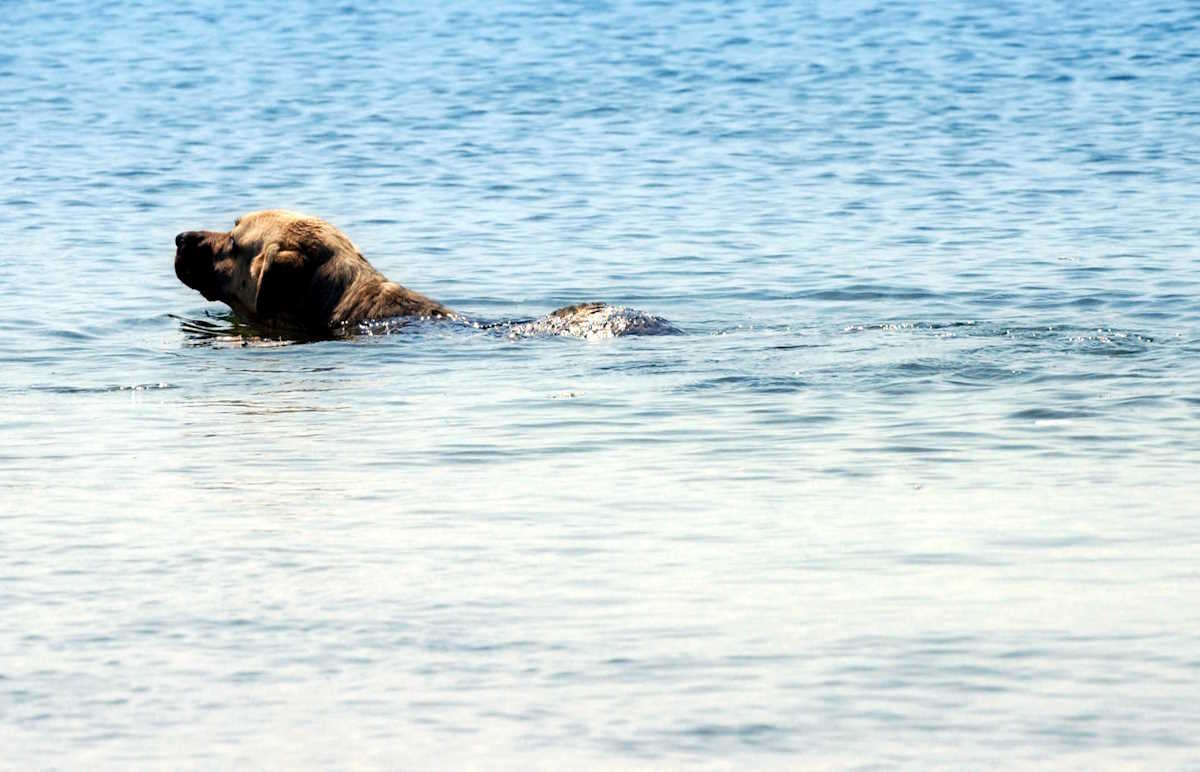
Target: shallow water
(916,486)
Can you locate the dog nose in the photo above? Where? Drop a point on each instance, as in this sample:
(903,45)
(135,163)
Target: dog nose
(188,238)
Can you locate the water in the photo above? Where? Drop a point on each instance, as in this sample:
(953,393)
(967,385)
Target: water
(917,486)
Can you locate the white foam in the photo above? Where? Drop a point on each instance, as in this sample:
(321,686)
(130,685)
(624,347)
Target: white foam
(594,323)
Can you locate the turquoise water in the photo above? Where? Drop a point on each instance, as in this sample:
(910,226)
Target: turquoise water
(917,486)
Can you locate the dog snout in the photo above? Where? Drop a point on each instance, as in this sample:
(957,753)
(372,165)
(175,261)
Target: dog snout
(188,239)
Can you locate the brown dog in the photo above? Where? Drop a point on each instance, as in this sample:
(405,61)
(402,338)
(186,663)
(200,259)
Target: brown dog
(290,270)
(294,270)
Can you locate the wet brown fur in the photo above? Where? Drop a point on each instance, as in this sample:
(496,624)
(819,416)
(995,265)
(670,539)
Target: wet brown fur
(285,268)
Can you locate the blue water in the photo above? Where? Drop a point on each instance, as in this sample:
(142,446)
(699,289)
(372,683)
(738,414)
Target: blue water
(917,487)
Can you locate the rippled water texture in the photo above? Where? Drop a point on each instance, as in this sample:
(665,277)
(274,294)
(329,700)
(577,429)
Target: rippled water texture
(916,486)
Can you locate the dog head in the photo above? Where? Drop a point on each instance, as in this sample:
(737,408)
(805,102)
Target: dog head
(264,267)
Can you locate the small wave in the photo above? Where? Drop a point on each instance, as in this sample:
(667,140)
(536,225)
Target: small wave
(901,326)
(397,325)
(593,321)
(870,292)
(762,384)
(1110,342)
(227,331)
(103,389)
(1050,414)
(1101,340)
(589,321)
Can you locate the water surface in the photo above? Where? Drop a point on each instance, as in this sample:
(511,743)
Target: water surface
(917,486)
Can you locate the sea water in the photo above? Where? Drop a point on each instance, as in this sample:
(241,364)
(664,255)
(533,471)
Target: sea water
(918,485)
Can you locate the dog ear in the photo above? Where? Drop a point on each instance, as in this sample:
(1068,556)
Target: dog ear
(311,239)
(281,283)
